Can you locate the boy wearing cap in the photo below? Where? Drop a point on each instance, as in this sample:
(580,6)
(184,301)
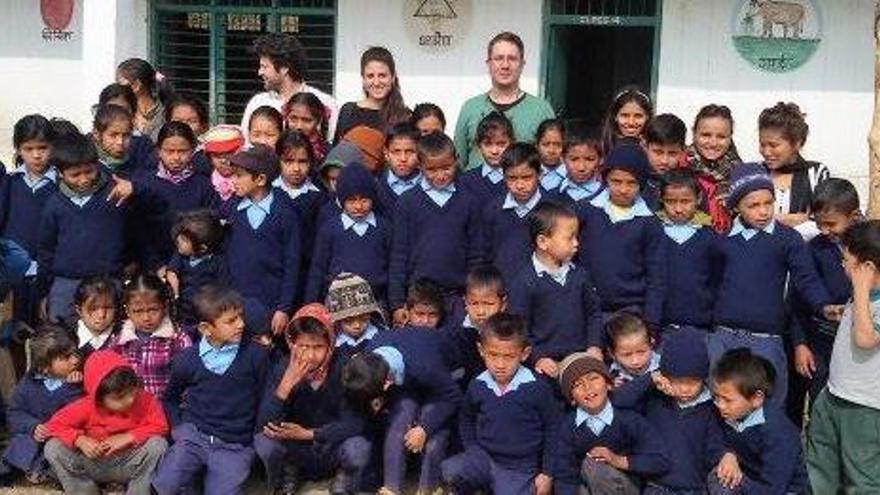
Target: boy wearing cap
(356,316)
(356,240)
(263,247)
(759,256)
(219,143)
(598,447)
(621,241)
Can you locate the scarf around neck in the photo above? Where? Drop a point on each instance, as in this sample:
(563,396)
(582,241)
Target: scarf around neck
(100,182)
(174,177)
(718,170)
(109,160)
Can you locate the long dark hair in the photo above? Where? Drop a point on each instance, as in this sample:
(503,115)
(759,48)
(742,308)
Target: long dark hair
(393,109)
(137,69)
(629,94)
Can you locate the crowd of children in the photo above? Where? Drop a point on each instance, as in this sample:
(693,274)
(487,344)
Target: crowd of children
(601,312)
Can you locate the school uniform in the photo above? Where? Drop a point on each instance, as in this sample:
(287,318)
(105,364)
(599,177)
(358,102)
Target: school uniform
(390,187)
(691,269)
(580,191)
(625,253)
(194,272)
(87,342)
(485,182)
(307,200)
(463,355)
(211,401)
(347,346)
(553,177)
(506,434)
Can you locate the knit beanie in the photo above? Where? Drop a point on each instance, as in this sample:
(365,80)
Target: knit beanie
(342,155)
(318,312)
(575,366)
(685,354)
(629,158)
(747,178)
(223,139)
(350,295)
(370,142)
(355,180)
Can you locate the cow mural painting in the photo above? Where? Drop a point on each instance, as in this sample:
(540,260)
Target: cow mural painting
(776,35)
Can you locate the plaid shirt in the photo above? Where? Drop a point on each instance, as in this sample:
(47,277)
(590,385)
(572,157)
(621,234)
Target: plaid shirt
(151,358)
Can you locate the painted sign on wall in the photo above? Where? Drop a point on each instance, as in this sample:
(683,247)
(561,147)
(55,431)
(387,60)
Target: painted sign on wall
(56,15)
(776,35)
(437,25)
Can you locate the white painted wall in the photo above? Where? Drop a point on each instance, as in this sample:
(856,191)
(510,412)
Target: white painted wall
(699,65)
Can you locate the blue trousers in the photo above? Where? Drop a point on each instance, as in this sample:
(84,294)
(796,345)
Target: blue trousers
(226,466)
(769,347)
(474,471)
(404,412)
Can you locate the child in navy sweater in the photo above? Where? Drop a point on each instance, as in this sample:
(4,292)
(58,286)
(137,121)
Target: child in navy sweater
(766,443)
(356,316)
(759,257)
(600,448)
(630,345)
(582,153)
(52,383)
(356,240)
(507,419)
(494,135)
(690,260)
(621,241)
(550,140)
(96,302)
(425,306)
(550,281)
(402,173)
(436,228)
(263,248)
(664,144)
(212,400)
(112,138)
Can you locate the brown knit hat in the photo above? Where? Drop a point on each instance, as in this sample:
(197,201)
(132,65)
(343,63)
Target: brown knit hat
(370,142)
(350,295)
(575,366)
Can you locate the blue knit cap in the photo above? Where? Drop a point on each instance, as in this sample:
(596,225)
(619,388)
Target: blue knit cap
(355,180)
(685,354)
(747,178)
(629,158)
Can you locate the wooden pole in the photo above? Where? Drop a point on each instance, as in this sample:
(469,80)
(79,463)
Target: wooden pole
(874,135)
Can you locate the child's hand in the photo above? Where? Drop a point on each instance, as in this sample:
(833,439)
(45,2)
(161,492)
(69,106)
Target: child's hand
(399,317)
(41,433)
(863,278)
(385,491)
(415,438)
(728,471)
(117,443)
(547,366)
(75,377)
(279,322)
(595,352)
(804,361)
(543,484)
(662,383)
(171,278)
(288,431)
(833,312)
(606,455)
(90,447)
(122,190)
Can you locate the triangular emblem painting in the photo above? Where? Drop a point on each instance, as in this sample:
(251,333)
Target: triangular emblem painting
(435,8)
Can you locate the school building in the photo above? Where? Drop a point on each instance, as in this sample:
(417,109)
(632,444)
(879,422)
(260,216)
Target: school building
(56,55)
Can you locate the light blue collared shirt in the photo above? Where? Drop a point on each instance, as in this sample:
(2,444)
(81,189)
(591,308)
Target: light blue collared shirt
(748,232)
(653,365)
(81,200)
(595,422)
(521,209)
(35,183)
(577,191)
(295,192)
(438,196)
(216,360)
(705,395)
(680,233)
(256,212)
(559,275)
(493,174)
(396,366)
(638,209)
(400,185)
(551,178)
(754,418)
(468,323)
(361,225)
(343,338)
(52,384)
(195,261)
(523,375)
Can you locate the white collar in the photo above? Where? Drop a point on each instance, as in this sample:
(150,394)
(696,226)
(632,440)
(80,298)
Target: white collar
(522,376)
(85,336)
(166,330)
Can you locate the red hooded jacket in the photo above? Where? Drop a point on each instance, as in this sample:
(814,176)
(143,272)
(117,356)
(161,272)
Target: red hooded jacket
(85,416)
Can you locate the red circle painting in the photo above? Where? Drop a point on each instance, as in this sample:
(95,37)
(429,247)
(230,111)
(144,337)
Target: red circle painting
(56,13)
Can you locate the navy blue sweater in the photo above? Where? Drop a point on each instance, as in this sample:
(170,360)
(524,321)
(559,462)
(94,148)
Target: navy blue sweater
(21,206)
(427,376)
(827,256)
(626,259)
(386,199)
(752,288)
(338,250)
(556,333)
(33,404)
(212,270)
(304,406)
(690,280)
(481,187)
(265,263)
(770,455)
(515,429)
(463,354)
(433,242)
(221,405)
(628,434)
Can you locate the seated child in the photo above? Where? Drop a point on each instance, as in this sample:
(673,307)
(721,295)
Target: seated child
(402,174)
(549,139)
(551,281)
(355,240)
(631,348)
(766,443)
(621,241)
(356,316)
(665,136)
(149,339)
(116,433)
(51,384)
(212,400)
(690,262)
(841,437)
(424,304)
(507,419)
(304,394)
(494,135)
(582,154)
(600,448)
(220,143)
(96,301)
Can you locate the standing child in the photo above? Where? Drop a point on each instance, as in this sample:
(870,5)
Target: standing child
(402,174)
(631,347)
(551,281)
(50,384)
(96,301)
(220,143)
(428,118)
(494,135)
(507,420)
(265,127)
(356,316)
(582,154)
(111,132)
(305,113)
(113,434)
(189,109)
(425,306)
(600,448)
(621,241)
(626,118)
(664,144)
(212,400)
(142,149)
(549,140)
(149,339)
(841,437)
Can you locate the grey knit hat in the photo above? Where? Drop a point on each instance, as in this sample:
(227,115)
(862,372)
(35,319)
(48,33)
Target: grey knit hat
(350,295)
